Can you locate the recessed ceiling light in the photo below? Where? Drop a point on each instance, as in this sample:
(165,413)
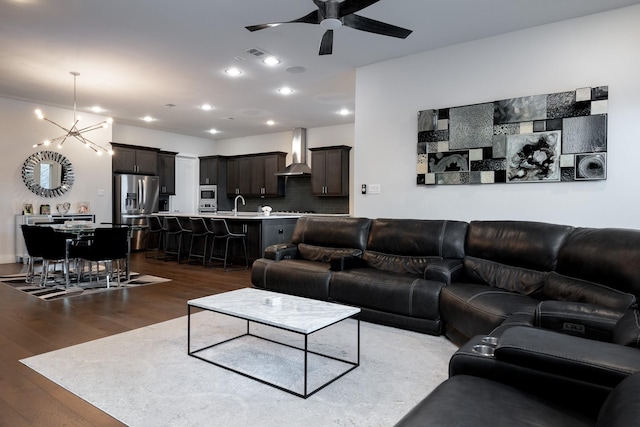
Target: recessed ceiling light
(206,107)
(271,122)
(344,112)
(148,119)
(285,91)
(271,60)
(213,131)
(97,109)
(233,72)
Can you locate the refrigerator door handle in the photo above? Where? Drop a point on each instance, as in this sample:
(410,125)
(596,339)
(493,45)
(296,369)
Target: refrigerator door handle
(139,194)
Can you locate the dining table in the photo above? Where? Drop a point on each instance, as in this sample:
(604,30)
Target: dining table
(82,231)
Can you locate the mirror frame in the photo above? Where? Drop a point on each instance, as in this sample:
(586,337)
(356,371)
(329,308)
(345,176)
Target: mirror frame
(29,168)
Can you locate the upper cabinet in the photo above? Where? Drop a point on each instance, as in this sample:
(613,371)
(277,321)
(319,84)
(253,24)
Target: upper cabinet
(134,159)
(254,175)
(167,172)
(264,181)
(213,170)
(330,171)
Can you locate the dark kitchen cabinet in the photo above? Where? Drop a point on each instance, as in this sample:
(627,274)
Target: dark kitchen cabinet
(212,170)
(264,182)
(239,176)
(133,159)
(254,175)
(167,172)
(330,171)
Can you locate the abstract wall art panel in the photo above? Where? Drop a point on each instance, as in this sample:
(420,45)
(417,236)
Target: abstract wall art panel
(558,137)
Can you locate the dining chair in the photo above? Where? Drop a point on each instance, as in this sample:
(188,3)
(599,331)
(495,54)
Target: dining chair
(50,245)
(221,232)
(108,245)
(155,237)
(200,238)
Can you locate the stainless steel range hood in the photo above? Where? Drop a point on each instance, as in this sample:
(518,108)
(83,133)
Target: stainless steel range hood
(298,166)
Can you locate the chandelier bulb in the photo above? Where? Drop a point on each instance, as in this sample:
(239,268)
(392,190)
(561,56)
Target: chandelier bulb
(39,114)
(46,142)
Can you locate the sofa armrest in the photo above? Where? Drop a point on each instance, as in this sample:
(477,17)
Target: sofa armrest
(570,371)
(281,251)
(347,262)
(581,359)
(578,319)
(444,270)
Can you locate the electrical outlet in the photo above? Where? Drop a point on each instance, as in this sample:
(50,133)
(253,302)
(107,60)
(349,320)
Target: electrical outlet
(374,188)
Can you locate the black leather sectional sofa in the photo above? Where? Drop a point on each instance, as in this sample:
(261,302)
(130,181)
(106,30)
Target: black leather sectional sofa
(463,279)
(559,302)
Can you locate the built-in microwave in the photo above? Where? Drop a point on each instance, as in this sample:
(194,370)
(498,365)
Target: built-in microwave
(208,198)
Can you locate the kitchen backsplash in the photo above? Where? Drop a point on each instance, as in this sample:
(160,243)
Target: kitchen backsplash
(298,198)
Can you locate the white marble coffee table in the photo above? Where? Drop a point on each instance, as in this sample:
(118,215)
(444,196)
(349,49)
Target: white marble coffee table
(299,315)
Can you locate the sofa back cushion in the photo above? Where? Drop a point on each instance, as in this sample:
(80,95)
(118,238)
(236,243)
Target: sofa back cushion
(324,253)
(418,238)
(533,245)
(562,288)
(398,263)
(607,256)
(332,232)
(515,279)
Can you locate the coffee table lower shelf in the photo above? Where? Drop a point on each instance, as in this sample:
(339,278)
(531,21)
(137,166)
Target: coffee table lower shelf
(306,393)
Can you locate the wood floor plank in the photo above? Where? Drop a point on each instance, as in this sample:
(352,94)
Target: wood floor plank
(30,326)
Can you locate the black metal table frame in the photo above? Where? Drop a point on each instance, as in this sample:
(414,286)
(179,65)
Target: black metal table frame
(306,351)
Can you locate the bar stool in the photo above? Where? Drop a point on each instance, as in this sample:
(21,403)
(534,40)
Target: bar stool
(175,232)
(199,234)
(156,235)
(221,232)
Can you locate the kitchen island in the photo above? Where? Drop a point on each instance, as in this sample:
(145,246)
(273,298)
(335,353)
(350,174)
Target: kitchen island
(261,230)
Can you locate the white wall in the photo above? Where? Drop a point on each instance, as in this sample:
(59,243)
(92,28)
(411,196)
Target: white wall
(591,51)
(281,141)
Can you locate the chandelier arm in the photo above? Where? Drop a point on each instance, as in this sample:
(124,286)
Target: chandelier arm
(61,127)
(85,141)
(90,128)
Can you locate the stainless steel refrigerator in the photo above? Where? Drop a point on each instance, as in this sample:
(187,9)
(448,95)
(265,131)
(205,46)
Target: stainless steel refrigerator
(135,197)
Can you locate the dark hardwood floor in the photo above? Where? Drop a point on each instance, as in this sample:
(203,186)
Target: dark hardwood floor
(29,326)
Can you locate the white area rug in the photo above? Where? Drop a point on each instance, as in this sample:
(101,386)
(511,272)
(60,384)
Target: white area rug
(145,377)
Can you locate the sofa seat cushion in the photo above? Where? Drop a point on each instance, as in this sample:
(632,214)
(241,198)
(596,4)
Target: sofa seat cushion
(471,401)
(298,277)
(476,309)
(401,294)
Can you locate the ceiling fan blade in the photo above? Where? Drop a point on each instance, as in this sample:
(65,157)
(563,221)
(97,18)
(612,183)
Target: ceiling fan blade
(371,25)
(311,18)
(347,7)
(326,45)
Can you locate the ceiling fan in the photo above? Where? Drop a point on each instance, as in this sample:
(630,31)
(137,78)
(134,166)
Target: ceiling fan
(332,14)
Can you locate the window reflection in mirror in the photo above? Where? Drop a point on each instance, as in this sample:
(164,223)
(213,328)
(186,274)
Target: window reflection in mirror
(49,174)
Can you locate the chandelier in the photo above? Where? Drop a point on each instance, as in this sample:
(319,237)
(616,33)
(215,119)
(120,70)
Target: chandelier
(74,131)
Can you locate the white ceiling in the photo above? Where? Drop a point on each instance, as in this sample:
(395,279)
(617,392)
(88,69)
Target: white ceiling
(136,56)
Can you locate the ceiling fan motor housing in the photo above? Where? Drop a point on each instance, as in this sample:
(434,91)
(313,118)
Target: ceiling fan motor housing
(330,14)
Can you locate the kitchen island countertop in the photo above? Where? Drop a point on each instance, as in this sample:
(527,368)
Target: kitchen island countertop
(245,215)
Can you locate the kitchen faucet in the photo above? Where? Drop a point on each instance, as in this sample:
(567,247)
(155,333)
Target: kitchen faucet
(235,204)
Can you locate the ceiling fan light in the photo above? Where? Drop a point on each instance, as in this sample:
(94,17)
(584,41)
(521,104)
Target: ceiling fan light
(331,23)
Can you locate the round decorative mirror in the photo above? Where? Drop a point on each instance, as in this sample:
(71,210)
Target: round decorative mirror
(48,174)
